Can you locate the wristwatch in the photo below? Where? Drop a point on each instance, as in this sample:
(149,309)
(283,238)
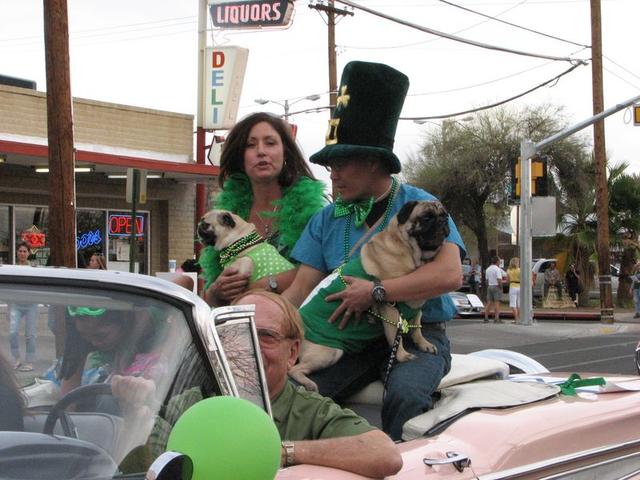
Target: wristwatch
(273,284)
(378,293)
(288,453)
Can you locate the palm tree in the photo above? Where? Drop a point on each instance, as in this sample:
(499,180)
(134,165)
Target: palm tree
(624,214)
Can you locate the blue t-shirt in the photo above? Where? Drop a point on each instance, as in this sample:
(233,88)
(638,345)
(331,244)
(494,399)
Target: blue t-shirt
(321,246)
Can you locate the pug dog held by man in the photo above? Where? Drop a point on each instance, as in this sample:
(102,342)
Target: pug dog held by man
(413,237)
(240,246)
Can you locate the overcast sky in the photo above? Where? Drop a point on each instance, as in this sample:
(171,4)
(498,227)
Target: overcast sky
(144,53)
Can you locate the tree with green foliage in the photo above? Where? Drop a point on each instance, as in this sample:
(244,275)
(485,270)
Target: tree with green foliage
(624,217)
(467,165)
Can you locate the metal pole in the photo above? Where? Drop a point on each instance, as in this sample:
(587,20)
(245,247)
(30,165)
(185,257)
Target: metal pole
(286,109)
(201,190)
(333,75)
(527,150)
(134,223)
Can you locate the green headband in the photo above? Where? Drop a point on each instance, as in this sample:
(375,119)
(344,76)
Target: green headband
(86,311)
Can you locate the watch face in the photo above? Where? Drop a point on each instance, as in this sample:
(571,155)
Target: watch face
(273,285)
(378,293)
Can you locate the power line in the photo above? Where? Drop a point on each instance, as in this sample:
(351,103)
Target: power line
(620,66)
(497,104)
(468,87)
(423,42)
(456,38)
(172,22)
(511,24)
(621,78)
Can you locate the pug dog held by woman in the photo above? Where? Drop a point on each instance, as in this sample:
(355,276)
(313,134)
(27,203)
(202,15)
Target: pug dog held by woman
(240,246)
(413,237)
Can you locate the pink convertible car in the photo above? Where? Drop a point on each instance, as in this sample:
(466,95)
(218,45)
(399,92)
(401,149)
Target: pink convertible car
(490,423)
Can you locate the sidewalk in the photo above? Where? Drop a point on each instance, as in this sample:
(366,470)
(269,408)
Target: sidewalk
(466,337)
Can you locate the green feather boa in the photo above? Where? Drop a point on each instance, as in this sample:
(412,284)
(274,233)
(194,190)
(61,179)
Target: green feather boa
(298,204)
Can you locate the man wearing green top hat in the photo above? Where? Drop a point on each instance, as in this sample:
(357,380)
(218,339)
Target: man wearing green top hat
(359,155)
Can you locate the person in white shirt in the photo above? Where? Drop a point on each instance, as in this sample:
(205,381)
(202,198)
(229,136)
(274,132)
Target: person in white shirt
(494,277)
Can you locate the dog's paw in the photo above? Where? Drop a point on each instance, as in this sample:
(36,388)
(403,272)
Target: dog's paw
(427,346)
(404,356)
(303,380)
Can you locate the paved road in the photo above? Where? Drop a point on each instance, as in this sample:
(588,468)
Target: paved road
(560,346)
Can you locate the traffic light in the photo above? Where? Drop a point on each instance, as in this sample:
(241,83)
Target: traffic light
(539,180)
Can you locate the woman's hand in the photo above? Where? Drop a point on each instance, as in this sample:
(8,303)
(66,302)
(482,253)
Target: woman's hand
(356,299)
(134,393)
(229,284)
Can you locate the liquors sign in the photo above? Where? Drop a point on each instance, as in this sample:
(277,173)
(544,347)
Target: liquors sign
(250,14)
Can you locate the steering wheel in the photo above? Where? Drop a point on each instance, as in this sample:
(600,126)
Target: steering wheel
(77,394)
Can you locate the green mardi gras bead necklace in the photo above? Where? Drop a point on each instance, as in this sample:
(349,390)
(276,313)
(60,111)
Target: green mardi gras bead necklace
(385,219)
(238,246)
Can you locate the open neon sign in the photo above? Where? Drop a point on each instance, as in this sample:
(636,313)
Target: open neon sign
(120,225)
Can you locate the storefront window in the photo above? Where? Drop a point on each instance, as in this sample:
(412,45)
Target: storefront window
(5,236)
(32,224)
(120,226)
(91,238)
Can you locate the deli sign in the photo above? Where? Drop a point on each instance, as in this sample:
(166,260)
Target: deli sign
(250,14)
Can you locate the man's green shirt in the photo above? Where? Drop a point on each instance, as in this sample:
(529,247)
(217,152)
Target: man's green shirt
(303,415)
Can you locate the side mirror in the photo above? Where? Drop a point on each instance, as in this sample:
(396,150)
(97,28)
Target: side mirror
(170,466)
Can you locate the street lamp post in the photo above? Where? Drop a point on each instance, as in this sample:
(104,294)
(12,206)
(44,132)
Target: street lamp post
(287,104)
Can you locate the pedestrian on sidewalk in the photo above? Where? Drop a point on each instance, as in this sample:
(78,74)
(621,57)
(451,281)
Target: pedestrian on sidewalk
(26,311)
(636,288)
(513,272)
(495,276)
(552,278)
(572,277)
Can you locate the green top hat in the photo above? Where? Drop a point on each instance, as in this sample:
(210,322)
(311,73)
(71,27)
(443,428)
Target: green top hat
(366,115)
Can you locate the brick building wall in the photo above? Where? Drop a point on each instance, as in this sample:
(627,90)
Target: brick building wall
(110,128)
(24,112)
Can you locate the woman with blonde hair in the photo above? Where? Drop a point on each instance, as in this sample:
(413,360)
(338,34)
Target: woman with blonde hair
(513,272)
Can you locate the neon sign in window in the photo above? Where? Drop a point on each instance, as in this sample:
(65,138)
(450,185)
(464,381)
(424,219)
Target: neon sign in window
(88,239)
(120,225)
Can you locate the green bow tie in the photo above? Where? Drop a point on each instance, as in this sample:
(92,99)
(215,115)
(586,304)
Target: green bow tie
(360,209)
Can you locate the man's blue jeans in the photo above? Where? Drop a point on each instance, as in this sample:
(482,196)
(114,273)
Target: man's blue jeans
(30,315)
(636,298)
(410,386)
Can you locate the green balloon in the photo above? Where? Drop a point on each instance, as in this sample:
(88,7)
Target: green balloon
(227,438)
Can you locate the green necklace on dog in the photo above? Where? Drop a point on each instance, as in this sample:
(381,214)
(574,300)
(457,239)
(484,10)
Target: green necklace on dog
(382,226)
(238,246)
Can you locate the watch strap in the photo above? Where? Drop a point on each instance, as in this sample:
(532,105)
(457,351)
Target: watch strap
(289,453)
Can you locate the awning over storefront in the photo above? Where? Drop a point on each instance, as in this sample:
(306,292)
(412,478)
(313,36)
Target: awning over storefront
(35,155)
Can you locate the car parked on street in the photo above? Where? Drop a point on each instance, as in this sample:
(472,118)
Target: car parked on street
(488,422)
(467,304)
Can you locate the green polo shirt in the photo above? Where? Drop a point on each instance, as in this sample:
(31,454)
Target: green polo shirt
(303,415)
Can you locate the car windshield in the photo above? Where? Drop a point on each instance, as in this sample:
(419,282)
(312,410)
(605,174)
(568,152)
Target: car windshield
(109,372)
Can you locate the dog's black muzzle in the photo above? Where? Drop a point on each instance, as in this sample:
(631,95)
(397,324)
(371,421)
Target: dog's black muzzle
(431,232)
(206,234)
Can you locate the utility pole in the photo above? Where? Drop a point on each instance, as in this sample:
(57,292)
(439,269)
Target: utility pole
(331,12)
(62,190)
(602,193)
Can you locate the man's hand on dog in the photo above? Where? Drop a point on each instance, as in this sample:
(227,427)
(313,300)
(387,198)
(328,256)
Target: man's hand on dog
(229,284)
(356,299)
